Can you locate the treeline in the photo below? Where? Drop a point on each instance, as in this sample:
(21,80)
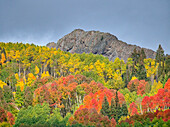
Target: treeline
(40,86)
(23,59)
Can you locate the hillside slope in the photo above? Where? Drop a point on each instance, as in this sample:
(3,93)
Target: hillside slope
(106,44)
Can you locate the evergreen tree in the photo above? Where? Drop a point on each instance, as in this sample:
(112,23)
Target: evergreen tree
(159,54)
(167,64)
(142,72)
(124,110)
(112,109)
(105,107)
(2,101)
(160,58)
(142,55)
(135,56)
(118,108)
(7,94)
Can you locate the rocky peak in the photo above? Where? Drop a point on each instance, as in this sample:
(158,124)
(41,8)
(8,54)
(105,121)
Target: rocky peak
(106,44)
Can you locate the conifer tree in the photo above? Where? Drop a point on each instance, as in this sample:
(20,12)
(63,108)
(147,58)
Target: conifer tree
(124,110)
(142,55)
(160,58)
(112,109)
(118,108)
(159,54)
(142,72)
(7,93)
(105,107)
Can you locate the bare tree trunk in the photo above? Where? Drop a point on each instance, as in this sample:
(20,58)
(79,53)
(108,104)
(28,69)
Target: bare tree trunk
(19,70)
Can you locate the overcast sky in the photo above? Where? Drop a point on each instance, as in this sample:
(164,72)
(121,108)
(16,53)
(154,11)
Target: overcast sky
(145,23)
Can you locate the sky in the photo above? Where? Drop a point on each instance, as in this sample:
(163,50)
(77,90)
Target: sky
(145,23)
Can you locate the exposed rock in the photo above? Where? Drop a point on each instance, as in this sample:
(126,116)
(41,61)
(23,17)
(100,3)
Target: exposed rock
(79,41)
(52,45)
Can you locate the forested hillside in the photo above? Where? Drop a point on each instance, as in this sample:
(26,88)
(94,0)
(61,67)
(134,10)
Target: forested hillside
(41,86)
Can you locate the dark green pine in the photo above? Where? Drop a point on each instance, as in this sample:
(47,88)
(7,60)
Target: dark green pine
(112,109)
(124,110)
(105,107)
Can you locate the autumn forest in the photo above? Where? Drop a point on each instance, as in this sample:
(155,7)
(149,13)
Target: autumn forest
(48,87)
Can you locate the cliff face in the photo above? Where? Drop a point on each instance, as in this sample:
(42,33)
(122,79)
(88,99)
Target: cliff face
(79,41)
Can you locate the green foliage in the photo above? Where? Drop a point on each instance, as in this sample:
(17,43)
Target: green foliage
(40,115)
(4,124)
(7,94)
(19,97)
(105,107)
(66,94)
(112,109)
(124,110)
(28,97)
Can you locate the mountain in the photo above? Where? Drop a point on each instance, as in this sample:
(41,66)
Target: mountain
(106,44)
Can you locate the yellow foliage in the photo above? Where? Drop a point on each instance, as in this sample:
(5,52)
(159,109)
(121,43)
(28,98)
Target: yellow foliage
(21,84)
(122,118)
(99,68)
(133,78)
(155,87)
(16,76)
(151,66)
(71,70)
(116,82)
(14,93)
(36,70)
(45,74)
(30,79)
(17,55)
(2,58)
(2,84)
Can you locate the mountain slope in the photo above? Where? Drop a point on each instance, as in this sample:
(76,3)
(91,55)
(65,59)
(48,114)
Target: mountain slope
(79,41)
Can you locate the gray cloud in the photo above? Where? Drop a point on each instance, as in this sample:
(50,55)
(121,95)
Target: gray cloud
(145,23)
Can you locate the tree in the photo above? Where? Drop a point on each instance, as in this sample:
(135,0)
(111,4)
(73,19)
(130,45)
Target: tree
(28,97)
(124,110)
(133,109)
(160,58)
(7,94)
(37,115)
(3,59)
(118,109)
(105,107)
(19,98)
(117,81)
(159,54)
(112,109)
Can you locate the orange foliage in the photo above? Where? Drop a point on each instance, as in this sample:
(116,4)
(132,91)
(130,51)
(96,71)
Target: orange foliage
(95,100)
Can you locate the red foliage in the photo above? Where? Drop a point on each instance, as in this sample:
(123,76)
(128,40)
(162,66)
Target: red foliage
(10,118)
(90,117)
(133,109)
(165,115)
(137,85)
(133,85)
(160,100)
(93,87)
(167,85)
(66,87)
(95,100)
(142,87)
(6,116)
(2,114)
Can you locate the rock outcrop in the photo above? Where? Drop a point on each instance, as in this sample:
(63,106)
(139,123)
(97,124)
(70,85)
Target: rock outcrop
(106,44)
